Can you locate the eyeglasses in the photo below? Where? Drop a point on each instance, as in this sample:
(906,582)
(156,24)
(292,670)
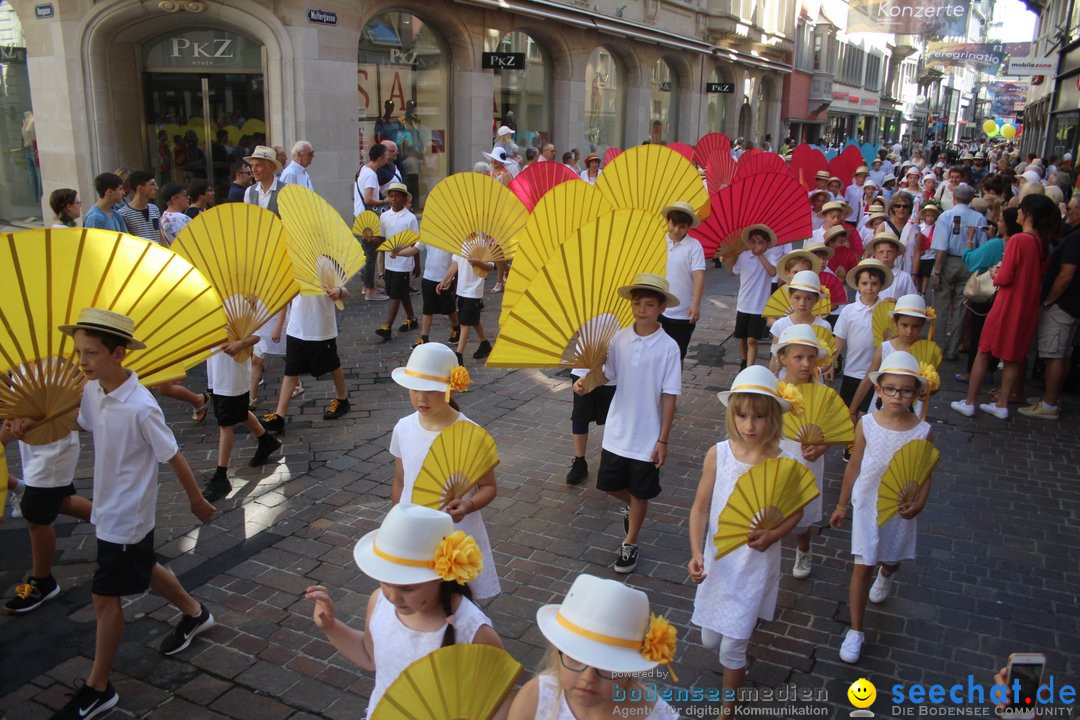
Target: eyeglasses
(889,391)
(579,667)
(903,207)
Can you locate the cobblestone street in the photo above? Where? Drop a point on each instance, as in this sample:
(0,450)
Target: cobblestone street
(998,567)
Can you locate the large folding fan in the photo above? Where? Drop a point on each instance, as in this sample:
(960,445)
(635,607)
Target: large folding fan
(474,216)
(564,209)
(773,199)
(927,351)
(720,172)
(825,419)
(651,177)
(827,340)
(846,163)
(399,241)
(240,249)
(572,309)
(324,252)
(709,147)
(459,457)
(779,304)
(534,181)
(806,163)
(51,275)
(907,472)
(460,682)
(367,225)
(687,151)
(763,497)
(610,154)
(756,162)
(881,322)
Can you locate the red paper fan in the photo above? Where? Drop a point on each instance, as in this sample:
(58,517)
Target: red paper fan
(773,199)
(710,146)
(683,149)
(720,172)
(806,162)
(843,165)
(610,154)
(535,180)
(756,162)
(837,291)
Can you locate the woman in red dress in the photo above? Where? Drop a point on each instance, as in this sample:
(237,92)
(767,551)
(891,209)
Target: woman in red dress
(1015,314)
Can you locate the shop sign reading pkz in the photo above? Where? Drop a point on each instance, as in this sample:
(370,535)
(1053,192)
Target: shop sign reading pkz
(219,48)
(502,61)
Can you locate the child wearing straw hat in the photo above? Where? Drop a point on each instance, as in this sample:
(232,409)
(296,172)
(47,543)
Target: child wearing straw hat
(829,279)
(429,376)
(924,255)
(832,215)
(742,586)
(398,266)
(878,436)
(886,247)
(685,274)
(422,566)
(755,273)
(643,362)
(804,290)
(601,636)
(854,328)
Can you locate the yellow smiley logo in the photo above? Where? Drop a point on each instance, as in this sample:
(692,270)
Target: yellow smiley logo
(862,693)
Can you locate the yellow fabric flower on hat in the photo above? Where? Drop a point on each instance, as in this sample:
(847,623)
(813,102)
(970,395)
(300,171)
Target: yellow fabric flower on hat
(459,379)
(458,558)
(660,642)
(933,380)
(789,392)
(931,314)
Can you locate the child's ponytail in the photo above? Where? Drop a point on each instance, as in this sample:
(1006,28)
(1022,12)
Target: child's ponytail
(446,596)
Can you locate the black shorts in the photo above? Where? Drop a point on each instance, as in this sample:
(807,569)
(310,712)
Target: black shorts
(593,405)
(469,310)
(230,410)
(124,569)
(748,325)
(310,357)
(40,506)
(397,284)
(640,478)
(926,268)
(436,303)
(848,386)
(680,331)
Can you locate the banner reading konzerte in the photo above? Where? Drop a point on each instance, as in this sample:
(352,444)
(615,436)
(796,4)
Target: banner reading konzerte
(933,18)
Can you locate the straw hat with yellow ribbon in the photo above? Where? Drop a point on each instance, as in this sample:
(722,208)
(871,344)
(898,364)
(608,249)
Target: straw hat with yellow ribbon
(433,367)
(607,625)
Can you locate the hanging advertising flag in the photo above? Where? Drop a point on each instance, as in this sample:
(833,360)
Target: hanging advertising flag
(1007,99)
(1028,66)
(933,18)
(984,57)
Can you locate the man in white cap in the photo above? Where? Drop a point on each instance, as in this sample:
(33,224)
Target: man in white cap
(296,173)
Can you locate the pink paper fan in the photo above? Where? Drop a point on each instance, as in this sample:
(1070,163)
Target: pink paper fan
(756,162)
(806,161)
(683,149)
(844,165)
(710,146)
(535,180)
(720,172)
(611,153)
(773,199)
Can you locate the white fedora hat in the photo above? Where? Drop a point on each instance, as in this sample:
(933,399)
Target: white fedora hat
(799,335)
(807,280)
(912,304)
(429,368)
(900,363)
(403,550)
(755,380)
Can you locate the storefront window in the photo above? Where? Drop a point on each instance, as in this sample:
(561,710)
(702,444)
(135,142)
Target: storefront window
(20,169)
(522,97)
(403,79)
(663,122)
(718,103)
(603,102)
(1063,133)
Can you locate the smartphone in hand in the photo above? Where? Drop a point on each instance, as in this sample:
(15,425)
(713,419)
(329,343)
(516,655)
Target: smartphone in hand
(1025,669)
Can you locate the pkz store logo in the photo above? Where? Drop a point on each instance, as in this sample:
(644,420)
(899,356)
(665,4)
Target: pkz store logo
(221,48)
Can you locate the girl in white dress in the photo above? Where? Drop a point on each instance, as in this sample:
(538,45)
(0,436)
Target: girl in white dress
(877,438)
(804,291)
(422,565)
(740,587)
(602,637)
(432,371)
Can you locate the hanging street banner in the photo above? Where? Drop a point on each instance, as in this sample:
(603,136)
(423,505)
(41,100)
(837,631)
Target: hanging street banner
(989,58)
(933,18)
(1007,99)
(1028,66)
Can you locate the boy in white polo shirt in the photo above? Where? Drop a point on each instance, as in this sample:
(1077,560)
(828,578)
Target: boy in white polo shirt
(398,267)
(643,362)
(755,273)
(436,301)
(470,301)
(854,329)
(130,440)
(886,247)
(685,274)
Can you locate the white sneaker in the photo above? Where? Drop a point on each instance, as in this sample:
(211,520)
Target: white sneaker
(1001,413)
(851,650)
(801,568)
(881,588)
(963,408)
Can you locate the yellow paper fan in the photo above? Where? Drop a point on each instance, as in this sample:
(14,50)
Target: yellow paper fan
(562,210)
(240,249)
(465,682)
(908,470)
(651,177)
(825,419)
(881,322)
(367,226)
(51,275)
(400,241)
(572,309)
(927,351)
(460,456)
(779,304)
(323,250)
(828,341)
(474,216)
(763,497)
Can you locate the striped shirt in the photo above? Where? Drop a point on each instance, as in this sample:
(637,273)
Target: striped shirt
(145,223)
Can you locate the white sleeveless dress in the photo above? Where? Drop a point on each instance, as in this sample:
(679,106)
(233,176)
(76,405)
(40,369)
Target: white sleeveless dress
(742,586)
(396,646)
(812,511)
(894,541)
(411,442)
(551,704)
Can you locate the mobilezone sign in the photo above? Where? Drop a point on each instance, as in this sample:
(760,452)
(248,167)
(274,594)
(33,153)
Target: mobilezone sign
(935,18)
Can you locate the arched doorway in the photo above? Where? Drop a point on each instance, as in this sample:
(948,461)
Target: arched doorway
(746,115)
(663,107)
(718,102)
(522,97)
(403,79)
(604,102)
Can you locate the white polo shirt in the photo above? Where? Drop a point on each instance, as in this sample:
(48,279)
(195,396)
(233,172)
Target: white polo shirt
(854,327)
(51,465)
(684,258)
(436,262)
(393,223)
(642,369)
(755,284)
(469,283)
(902,284)
(130,440)
(311,317)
